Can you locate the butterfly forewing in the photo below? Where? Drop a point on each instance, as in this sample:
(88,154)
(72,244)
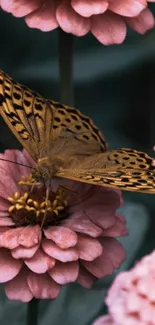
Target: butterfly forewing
(80,125)
(38,123)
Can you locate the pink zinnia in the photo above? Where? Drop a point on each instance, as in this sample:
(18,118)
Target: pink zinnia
(131,298)
(105,19)
(73,241)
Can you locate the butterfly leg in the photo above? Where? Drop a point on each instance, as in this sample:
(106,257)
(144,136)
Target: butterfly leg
(47,205)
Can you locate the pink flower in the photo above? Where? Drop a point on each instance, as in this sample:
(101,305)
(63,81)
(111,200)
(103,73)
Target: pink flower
(105,19)
(46,244)
(105,320)
(131,298)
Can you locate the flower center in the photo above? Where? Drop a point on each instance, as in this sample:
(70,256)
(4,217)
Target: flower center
(34,206)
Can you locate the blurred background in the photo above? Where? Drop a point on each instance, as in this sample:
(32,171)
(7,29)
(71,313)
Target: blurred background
(115,86)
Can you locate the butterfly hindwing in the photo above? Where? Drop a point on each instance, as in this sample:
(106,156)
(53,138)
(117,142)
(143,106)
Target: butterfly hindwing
(126,169)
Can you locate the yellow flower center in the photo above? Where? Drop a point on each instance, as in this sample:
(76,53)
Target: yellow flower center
(34,207)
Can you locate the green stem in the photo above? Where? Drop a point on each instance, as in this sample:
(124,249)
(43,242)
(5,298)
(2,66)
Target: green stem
(66,67)
(32,312)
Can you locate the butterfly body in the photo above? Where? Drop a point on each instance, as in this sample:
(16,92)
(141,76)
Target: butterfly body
(45,170)
(65,143)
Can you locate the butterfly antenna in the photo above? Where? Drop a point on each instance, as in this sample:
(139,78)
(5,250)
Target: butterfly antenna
(17,163)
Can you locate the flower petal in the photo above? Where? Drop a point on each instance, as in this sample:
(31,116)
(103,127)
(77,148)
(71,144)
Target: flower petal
(4,204)
(143,22)
(18,289)
(66,255)
(24,252)
(128,8)
(19,8)
(101,207)
(27,158)
(9,238)
(85,278)
(89,248)
(109,28)
(83,225)
(100,267)
(113,255)
(6,221)
(30,236)
(44,18)
(24,158)
(40,262)
(105,320)
(70,21)
(118,229)
(64,273)
(42,286)
(10,189)
(15,171)
(114,251)
(63,237)
(9,267)
(87,8)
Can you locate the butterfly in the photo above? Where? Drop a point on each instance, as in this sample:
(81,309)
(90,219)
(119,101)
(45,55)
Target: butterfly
(66,143)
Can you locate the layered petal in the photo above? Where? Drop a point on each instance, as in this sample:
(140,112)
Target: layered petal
(38,257)
(84,225)
(9,267)
(42,286)
(111,258)
(143,22)
(64,273)
(87,8)
(63,255)
(89,248)
(106,19)
(62,236)
(40,262)
(23,252)
(85,278)
(117,229)
(18,289)
(30,236)
(9,238)
(104,202)
(20,8)
(43,18)
(109,28)
(70,21)
(128,8)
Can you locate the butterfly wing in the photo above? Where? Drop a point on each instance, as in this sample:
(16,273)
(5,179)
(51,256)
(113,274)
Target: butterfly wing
(126,169)
(76,126)
(24,112)
(37,123)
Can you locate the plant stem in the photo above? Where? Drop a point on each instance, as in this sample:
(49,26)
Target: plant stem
(32,312)
(66,67)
